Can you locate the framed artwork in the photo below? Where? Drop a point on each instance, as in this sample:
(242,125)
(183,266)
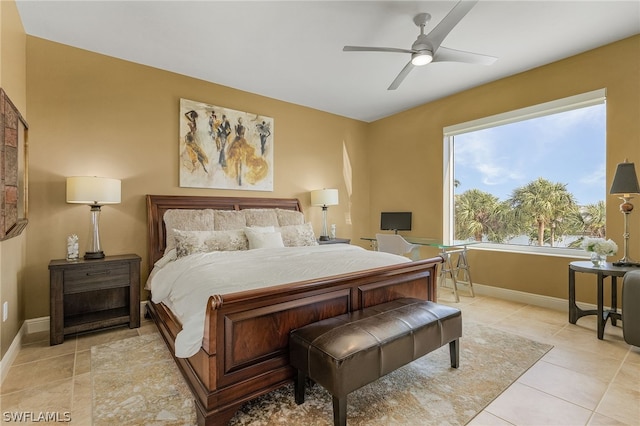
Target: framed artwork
(13,179)
(225,149)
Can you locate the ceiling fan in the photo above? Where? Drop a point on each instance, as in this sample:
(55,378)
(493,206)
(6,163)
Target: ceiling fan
(427,49)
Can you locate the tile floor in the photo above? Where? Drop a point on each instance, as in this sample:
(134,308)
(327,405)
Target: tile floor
(581,381)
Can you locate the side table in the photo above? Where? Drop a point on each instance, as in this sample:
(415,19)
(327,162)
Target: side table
(335,241)
(606,270)
(93,294)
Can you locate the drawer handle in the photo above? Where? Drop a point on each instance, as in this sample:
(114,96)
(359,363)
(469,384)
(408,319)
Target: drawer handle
(107,272)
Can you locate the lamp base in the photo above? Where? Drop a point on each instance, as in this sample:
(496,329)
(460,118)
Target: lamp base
(324,238)
(94,255)
(621,263)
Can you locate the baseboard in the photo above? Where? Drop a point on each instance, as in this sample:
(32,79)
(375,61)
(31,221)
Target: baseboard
(36,325)
(12,353)
(554,303)
(522,297)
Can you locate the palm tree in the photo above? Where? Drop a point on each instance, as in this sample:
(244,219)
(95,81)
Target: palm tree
(477,213)
(545,205)
(594,216)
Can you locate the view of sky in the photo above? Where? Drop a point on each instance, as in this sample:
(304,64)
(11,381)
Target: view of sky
(567,148)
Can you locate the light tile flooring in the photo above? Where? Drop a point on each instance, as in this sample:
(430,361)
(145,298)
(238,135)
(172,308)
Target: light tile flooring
(581,381)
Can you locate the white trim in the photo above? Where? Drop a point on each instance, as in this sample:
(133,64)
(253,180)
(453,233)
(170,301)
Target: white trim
(12,353)
(522,297)
(569,253)
(582,100)
(447,190)
(554,303)
(36,325)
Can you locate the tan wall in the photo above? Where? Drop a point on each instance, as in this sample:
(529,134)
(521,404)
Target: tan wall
(95,115)
(406,155)
(13,251)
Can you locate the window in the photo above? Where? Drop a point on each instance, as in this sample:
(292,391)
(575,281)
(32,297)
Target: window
(528,180)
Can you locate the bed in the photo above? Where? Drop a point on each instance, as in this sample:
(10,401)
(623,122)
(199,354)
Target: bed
(244,347)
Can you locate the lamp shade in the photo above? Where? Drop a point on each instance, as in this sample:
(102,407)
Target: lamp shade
(93,190)
(625,180)
(324,197)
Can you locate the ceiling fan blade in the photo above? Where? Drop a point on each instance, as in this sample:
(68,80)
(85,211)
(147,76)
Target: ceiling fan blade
(405,71)
(444,27)
(444,54)
(374,49)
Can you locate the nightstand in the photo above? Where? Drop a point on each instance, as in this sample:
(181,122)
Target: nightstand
(93,294)
(336,241)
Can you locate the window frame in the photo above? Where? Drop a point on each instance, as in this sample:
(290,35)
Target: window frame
(594,97)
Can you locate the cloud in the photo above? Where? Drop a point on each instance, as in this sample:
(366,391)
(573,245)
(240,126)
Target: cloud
(596,174)
(482,152)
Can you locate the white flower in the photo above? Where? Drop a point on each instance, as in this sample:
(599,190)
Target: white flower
(600,246)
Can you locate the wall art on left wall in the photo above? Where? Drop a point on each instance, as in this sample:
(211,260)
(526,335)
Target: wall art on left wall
(14,176)
(225,149)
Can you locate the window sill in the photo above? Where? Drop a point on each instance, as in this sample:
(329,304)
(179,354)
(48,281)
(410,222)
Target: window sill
(534,250)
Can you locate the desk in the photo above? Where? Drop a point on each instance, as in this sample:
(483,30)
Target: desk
(606,270)
(451,267)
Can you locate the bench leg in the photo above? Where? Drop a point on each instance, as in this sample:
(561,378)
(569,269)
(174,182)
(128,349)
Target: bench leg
(454,353)
(300,381)
(339,411)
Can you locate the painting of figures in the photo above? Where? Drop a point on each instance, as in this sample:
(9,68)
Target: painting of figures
(225,149)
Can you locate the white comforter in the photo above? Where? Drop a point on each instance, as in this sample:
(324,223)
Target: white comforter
(184,285)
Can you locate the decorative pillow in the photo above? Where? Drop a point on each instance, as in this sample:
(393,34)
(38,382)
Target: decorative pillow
(261,217)
(190,242)
(289,217)
(229,220)
(265,240)
(186,220)
(298,235)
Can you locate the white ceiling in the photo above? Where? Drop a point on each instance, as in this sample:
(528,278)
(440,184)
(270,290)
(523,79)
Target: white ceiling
(292,50)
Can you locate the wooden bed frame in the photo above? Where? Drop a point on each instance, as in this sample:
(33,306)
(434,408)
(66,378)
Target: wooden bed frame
(244,351)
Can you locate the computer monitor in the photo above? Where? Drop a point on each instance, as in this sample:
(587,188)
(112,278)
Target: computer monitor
(395,221)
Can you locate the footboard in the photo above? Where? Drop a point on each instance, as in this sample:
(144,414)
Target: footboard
(245,347)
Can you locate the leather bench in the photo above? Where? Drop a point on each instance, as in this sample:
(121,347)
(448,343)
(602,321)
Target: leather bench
(346,352)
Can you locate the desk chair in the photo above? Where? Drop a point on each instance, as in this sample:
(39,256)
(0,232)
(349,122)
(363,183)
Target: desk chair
(631,308)
(395,244)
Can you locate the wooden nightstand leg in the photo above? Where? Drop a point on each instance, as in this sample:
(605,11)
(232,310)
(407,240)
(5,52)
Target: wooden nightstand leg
(56,309)
(134,295)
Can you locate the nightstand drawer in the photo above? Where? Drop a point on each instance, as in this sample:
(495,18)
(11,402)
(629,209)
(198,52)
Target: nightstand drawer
(96,277)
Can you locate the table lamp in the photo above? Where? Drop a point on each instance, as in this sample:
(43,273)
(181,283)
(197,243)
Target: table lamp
(324,198)
(625,183)
(96,192)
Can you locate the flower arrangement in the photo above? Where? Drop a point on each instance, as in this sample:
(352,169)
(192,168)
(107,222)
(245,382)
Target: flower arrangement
(600,246)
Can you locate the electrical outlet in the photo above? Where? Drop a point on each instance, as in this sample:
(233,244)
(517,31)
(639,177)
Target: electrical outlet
(5,311)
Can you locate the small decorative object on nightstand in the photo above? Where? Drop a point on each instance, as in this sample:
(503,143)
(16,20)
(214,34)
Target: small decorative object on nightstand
(92,294)
(335,241)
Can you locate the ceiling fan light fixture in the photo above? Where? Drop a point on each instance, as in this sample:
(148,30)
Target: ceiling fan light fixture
(421,58)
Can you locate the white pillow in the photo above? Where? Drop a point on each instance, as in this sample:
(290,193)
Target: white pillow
(265,240)
(257,238)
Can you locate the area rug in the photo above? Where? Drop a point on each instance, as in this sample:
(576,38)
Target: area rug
(136,382)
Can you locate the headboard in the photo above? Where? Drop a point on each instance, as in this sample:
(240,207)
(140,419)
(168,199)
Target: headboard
(157,205)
